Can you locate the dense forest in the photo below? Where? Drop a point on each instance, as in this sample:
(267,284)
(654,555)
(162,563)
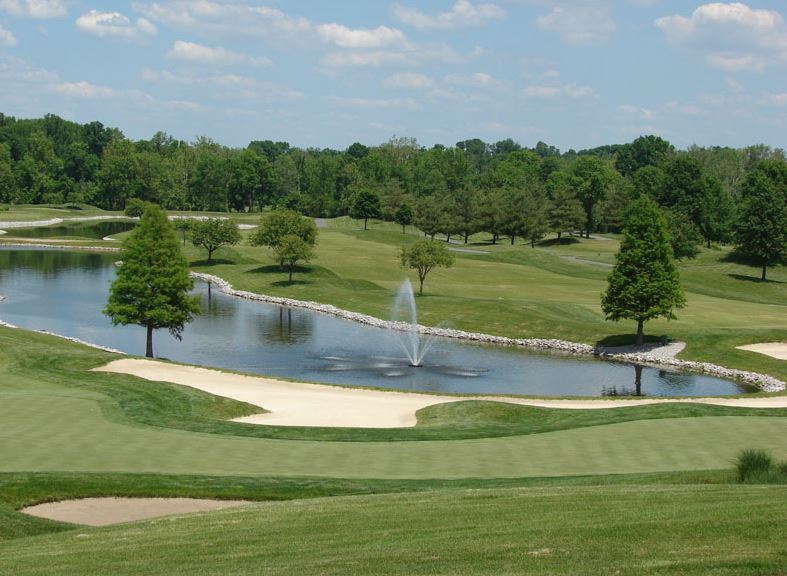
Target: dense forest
(502,188)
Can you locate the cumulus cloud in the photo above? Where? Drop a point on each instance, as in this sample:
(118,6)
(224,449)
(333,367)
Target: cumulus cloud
(409,81)
(345,37)
(463,14)
(636,111)
(378,103)
(114,25)
(228,19)
(411,56)
(581,24)
(551,92)
(6,37)
(732,36)
(226,87)
(40,9)
(192,52)
(83,89)
(476,80)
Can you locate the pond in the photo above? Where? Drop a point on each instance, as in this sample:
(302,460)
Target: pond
(65,292)
(91,230)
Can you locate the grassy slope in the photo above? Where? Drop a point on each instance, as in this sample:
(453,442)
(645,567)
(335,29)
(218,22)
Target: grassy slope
(719,530)
(50,423)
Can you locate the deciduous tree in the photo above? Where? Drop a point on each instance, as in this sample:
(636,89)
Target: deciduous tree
(290,250)
(366,204)
(214,233)
(644,283)
(424,255)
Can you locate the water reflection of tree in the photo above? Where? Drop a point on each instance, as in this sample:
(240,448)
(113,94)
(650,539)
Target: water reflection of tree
(53,263)
(285,326)
(623,391)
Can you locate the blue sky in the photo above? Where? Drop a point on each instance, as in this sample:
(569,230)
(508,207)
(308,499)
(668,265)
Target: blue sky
(319,73)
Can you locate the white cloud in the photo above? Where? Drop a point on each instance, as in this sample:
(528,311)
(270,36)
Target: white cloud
(226,87)
(378,103)
(776,99)
(192,52)
(580,24)
(345,37)
(408,81)
(229,19)
(39,9)
(733,36)
(83,89)
(6,37)
(413,56)
(636,111)
(114,25)
(463,14)
(551,91)
(476,80)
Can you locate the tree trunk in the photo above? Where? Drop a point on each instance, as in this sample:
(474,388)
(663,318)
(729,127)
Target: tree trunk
(513,236)
(421,287)
(466,235)
(290,278)
(640,332)
(764,266)
(149,345)
(365,220)
(559,234)
(448,238)
(708,243)
(532,242)
(402,228)
(210,255)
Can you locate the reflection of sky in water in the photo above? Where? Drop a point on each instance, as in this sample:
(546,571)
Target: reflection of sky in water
(65,293)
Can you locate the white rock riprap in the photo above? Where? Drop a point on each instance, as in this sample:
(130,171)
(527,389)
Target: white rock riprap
(762,381)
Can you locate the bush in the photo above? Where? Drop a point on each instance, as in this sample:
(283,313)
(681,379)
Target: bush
(753,463)
(135,208)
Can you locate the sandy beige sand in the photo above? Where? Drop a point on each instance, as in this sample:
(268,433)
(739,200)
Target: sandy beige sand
(299,404)
(106,511)
(776,350)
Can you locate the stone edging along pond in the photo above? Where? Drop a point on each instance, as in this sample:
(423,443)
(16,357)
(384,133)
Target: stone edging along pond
(764,382)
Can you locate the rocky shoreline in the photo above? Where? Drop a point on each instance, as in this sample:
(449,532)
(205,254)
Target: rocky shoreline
(764,382)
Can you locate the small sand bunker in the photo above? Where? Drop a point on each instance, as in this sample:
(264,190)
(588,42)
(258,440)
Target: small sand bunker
(776,350)
(106,511)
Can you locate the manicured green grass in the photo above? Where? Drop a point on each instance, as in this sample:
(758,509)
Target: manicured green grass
(58,416)
(718,530)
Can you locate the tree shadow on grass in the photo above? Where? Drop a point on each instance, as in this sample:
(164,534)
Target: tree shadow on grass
(564,241)
(214,262)
(295,282)
(754,279)
(276,269)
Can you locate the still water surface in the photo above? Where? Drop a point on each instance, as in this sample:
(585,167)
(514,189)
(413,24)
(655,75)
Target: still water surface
(65,292)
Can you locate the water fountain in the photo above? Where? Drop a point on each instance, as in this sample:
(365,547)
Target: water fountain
(408,333)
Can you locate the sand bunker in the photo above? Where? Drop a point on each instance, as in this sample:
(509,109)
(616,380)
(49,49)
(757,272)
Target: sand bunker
(776,350)
(106,511)
(299,404)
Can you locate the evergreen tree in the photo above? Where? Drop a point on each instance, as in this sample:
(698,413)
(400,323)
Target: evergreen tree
(644,283)
(152,286)
(565,212)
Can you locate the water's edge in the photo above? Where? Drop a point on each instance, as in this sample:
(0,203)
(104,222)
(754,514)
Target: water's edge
(763,382)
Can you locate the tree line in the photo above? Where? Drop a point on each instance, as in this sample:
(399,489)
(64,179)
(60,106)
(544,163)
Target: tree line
(503,189)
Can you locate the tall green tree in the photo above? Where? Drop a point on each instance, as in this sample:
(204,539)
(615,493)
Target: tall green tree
(152,286)
(594,178)
(424,255)
(290,250)
(761,230)
(564,212)
(214,233)
(277,224)
(404,216)
(366,204)
(644,283)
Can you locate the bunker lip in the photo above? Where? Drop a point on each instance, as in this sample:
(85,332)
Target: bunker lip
(301,404)
(113,510)
(776,350)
